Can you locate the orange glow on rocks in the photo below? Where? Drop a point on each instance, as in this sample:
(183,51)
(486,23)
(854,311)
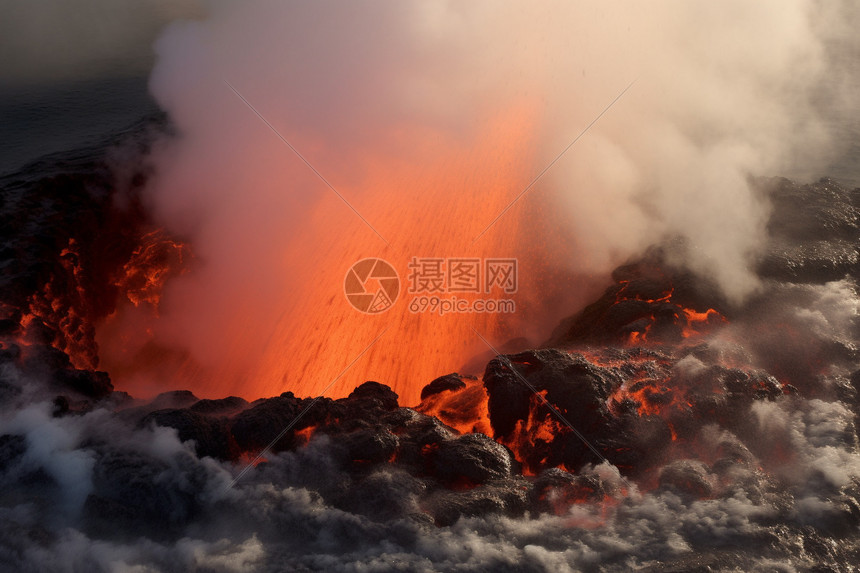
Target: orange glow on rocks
(65,308)
(534,435)
(304,435)
(699,322)
(465,410)
(692,323)
(153,262)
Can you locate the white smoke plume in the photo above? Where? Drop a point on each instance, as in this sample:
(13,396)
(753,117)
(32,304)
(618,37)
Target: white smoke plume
(722,92)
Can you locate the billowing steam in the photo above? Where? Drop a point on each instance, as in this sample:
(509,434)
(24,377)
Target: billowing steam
(430,118)
(112,491)
(698,411)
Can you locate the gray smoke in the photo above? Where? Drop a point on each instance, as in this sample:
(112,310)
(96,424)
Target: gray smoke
(723,92)
(783,495)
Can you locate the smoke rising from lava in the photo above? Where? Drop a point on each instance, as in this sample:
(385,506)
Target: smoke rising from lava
(430,118)
(721,419)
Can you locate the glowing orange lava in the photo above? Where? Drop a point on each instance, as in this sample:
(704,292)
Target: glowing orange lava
(155,260)
(452,199)
(534,435)
(64,308)
(304,435)
(691,322)
(432,207)
(699,322)
(465,410)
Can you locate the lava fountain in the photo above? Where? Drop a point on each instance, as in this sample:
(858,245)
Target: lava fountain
(429,122)
(436,207)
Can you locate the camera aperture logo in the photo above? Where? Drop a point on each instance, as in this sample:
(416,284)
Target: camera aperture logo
(371,286)
(437,285)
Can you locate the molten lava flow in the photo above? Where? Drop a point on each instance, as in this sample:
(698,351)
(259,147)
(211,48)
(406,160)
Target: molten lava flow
(700,322)
(135,361)
(622,294)
(304,435)
(531,439)
(666,312)
(153,262)
(251,459)
(445,209)
(647,386)
(62,307)
(432,199)
(652,397)
(465,409)
(638,337)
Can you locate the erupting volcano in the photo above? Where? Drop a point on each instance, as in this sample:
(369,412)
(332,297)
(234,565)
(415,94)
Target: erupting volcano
(401,286)
(314,330)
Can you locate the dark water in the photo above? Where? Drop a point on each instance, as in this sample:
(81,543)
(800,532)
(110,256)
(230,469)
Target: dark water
(48,119)
(73,74)
(43,120)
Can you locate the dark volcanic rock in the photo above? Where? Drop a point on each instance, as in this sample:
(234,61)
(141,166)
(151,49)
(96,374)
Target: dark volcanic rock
(688,477)
(573,384)
(222,407)
(448,382)
(373,396)
(256,427)
(211,435)
(90,383)
(173,399)
(649,297)
(472,459)
(135,410)
(635,443)
(509,497)
(815,261)
(555,490)
(370,446)
(578,390)
(61,224)
(419,437)
(814,231)
(813,211)
(716,394)
(385,494)
(422,430)
(139,495)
